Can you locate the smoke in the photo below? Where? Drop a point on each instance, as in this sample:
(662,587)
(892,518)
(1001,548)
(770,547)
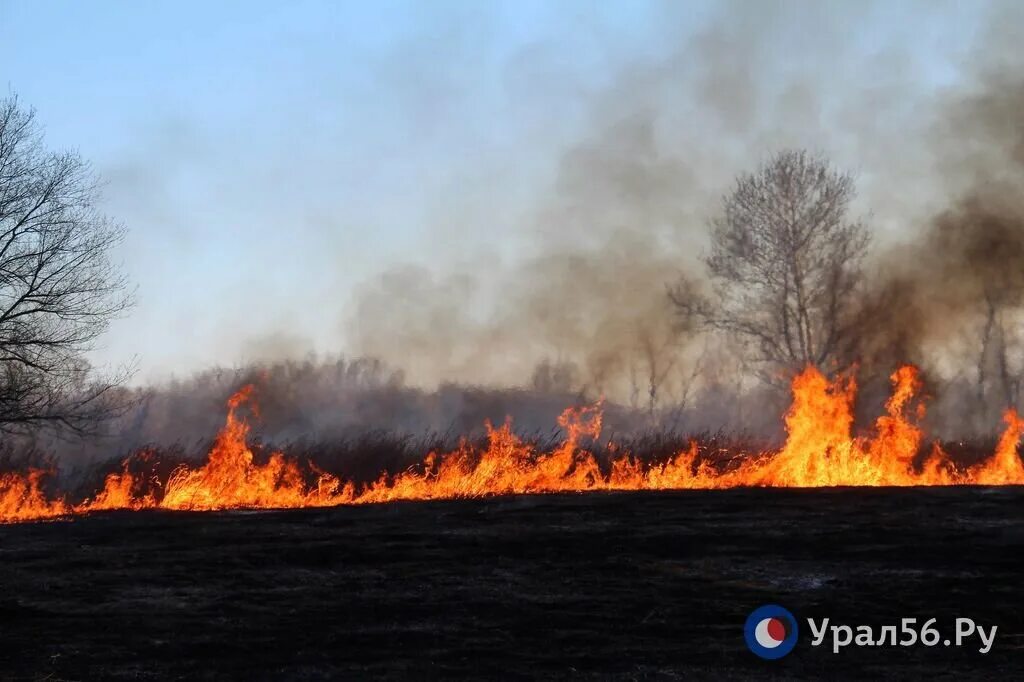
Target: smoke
(544,273)
(625,213)
(314,404)
(955,287)
(939,159)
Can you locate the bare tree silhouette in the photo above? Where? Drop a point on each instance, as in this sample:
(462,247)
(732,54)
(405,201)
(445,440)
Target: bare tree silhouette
(785,264)
(59,289)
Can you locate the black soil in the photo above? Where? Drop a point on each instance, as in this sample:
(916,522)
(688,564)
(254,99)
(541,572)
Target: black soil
(630,585)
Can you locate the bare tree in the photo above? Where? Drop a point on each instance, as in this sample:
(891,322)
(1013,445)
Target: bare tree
(58,287)
(785,264)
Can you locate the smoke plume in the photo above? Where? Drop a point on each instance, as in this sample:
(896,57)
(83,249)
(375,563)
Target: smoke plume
(625,216)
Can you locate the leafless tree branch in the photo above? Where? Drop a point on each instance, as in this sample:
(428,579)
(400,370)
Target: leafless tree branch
(785,264)
(59,289)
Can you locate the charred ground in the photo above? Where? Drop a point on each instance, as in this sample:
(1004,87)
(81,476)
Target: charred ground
(652,585)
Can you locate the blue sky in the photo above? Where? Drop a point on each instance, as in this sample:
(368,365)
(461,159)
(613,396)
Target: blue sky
(267,158)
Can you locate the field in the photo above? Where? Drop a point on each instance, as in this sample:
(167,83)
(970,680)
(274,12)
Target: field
(651,585)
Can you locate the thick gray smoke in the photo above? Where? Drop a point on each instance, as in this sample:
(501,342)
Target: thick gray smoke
(957,285)
(625,216)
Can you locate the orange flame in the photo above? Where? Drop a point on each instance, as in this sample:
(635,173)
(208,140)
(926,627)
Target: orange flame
(1004,468)
(820,450)
(22,498)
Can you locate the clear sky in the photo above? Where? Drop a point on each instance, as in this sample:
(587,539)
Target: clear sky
(269,157)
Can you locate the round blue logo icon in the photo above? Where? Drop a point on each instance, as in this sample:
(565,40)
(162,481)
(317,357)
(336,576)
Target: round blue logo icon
(771,631)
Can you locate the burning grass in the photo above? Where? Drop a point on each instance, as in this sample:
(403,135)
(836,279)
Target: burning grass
(820,450)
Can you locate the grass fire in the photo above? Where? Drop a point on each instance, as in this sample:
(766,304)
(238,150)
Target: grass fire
(820,450)
(632,340)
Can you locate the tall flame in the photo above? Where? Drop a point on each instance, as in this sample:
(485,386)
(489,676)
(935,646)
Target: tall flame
(820,450)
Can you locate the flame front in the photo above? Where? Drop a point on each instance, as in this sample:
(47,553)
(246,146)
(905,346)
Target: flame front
(820,450)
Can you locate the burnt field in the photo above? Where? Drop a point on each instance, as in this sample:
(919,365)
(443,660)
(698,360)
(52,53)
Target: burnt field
(650,585)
